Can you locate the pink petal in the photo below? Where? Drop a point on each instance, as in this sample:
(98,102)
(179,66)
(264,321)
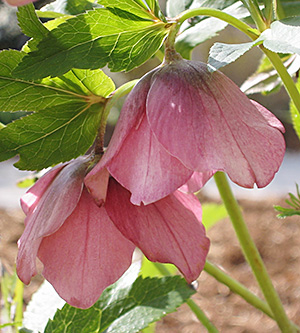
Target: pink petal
(130,117)
(147,171)
(18,2)
(135,158)
(196,182)
(205,121)
(55,204)
(31,198)
(86,255)
(167,231)
(97,184)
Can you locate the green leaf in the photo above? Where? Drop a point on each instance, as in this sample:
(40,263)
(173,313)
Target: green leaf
(21,95)
(201,29)
(221,54)
(212,213)
(67,7)
(124,308)
(265,79)
(289,7)
(29,22)
(137,8)
(294,202)
(123,41)
(67,109)
(283,36)
(51,136)
(286,212)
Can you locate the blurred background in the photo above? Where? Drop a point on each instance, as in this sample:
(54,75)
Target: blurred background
(278,242)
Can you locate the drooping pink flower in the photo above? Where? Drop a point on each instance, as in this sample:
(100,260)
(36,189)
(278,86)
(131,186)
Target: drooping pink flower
(180,119)
(86,246)
(18,2)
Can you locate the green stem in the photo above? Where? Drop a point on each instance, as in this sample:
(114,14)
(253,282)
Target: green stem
(286,79)
(252,33)
(201,316)
(237,288)
(251,253)
(240,290)
(18,300)
(193,306)
(256,14)
(278,10)
(269,11)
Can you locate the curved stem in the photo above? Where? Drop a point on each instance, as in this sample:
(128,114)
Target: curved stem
(256,14)
(237,288)
(201,316)
(240,290)
(286,79)
(193,306)
(251,253)
(252,33)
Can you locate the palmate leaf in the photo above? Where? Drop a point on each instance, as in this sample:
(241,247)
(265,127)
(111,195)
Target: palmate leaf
(124,308)
(88,41)
(67,111)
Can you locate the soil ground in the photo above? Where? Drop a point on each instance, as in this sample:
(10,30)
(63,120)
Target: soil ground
(278,242)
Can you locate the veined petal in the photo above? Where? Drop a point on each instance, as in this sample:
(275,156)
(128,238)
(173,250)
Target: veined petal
(56,204)
(205,121)
(130,117)
(167,231)
(148,171)
(86,255)
(31,198)
(196,182)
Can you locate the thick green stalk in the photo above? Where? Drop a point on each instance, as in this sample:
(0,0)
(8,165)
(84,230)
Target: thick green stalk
(249,31)
(193,306)
(252,255)
(286,79)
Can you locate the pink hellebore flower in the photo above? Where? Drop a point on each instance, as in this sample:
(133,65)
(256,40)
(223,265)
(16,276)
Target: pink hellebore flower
(19,2)
(85,247)
(180,124)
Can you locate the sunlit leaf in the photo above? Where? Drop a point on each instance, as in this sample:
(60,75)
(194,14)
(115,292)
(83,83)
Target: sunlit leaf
(283,36)
(89,41)
(125,307)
